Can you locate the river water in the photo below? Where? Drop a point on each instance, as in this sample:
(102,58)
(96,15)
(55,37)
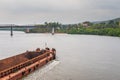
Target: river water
(79,57)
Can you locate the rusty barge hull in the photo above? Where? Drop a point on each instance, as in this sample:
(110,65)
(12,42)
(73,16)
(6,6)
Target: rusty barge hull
(16,67)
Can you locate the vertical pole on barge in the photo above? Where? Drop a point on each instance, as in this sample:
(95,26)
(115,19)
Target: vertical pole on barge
(45,44)
(11,31)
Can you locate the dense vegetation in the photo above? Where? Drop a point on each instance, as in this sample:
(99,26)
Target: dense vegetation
(46,27)
(102,31)
(109,28)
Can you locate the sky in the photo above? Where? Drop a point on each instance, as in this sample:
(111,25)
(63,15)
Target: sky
(64,11)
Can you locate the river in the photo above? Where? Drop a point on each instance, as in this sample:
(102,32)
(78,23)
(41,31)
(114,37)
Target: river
(79,57)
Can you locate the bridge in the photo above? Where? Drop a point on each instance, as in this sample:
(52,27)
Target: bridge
(11,27)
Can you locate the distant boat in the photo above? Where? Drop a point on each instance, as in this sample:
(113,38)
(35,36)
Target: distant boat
(53,31)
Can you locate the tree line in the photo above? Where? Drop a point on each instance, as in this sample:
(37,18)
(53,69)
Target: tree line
(109,28)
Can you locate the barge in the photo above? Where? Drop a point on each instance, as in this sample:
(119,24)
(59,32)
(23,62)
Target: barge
(18,66)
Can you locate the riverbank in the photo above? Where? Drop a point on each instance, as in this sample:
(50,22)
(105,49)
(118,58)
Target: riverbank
(87,31)
(91,31)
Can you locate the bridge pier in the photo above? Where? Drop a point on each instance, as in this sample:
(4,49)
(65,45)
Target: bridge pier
(11,31)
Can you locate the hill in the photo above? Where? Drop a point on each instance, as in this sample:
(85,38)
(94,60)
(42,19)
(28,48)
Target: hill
(107,21)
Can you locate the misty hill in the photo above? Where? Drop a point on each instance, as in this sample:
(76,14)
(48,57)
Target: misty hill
(108,21)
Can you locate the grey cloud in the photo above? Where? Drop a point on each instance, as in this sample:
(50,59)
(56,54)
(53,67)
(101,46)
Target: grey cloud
(65,11)
(107,4)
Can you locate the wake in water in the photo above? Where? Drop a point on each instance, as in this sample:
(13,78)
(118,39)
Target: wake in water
(38,74)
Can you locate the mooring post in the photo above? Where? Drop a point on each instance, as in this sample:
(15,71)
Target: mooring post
(11,31)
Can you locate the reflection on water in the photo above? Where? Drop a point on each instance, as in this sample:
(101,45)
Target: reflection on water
(82,57)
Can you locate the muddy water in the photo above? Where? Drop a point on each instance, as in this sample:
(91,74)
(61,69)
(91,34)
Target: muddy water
(80,57)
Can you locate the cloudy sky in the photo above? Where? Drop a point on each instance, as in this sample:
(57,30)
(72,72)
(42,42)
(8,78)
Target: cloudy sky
(63,11)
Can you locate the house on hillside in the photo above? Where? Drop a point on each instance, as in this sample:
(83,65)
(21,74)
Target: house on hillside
(86,24)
